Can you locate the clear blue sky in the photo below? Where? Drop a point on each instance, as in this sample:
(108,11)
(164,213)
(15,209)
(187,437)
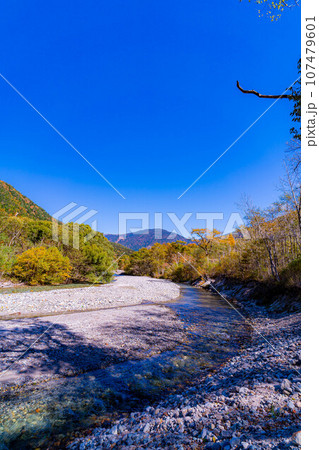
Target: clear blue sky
(146,91)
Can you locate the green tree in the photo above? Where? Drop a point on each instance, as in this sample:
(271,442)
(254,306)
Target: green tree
(99,266)
(142,262)
(7,259)
(38,231)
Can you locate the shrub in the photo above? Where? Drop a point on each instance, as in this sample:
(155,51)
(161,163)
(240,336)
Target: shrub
(40,265)
(183,272)
(7,259)
(291,275)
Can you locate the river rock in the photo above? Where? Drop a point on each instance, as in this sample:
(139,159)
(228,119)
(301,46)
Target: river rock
(286,386)
(296,438)
(234,442)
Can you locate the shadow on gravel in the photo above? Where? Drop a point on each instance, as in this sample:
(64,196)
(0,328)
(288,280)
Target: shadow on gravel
(70,387)
(58,351)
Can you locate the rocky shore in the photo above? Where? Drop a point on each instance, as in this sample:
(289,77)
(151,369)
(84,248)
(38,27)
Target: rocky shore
(251,402)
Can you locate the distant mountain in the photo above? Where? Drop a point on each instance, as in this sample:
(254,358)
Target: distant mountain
(120,249)
(13,203)
(145,238)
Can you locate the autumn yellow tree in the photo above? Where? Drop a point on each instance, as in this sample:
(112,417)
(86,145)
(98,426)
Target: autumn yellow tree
(40,265)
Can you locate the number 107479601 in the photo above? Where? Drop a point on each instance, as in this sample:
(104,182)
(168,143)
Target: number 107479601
(310,50)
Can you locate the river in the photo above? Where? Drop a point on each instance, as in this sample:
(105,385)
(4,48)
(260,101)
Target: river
(49,413)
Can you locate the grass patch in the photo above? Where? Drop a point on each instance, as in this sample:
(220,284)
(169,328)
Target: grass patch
(21,289)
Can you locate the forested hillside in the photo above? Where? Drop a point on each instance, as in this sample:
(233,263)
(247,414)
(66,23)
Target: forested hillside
(28,252)
(13,203)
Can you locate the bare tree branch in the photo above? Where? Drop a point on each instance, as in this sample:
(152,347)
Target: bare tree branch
(251,91)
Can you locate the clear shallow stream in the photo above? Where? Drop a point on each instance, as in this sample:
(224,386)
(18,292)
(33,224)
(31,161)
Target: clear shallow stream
(46,414)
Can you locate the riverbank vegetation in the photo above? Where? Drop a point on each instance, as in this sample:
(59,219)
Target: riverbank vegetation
(266,249)
(29,253)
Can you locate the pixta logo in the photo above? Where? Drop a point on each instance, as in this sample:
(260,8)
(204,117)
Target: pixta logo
(81,214)
(234,223)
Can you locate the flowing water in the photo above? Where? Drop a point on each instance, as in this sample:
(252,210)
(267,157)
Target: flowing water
(49,412)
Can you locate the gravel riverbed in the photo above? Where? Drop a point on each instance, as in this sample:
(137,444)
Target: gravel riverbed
(251,402)
(130,326)
(123,291)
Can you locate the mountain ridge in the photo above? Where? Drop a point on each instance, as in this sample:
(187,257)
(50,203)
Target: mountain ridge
(145,238)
